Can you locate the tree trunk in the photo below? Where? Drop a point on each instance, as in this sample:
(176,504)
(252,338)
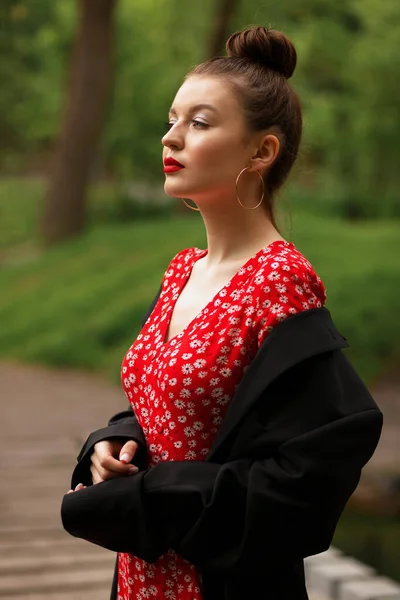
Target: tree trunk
(64,213)
(225,9)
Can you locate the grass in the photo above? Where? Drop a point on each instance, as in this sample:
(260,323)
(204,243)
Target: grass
(19,206)
(81,303)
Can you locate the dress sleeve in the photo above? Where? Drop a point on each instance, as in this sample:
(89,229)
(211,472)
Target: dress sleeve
(283,290)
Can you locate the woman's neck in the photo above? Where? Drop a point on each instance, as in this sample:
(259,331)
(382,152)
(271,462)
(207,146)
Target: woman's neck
(236,236)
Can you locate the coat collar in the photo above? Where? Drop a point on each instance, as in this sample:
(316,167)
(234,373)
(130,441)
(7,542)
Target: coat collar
(299,337)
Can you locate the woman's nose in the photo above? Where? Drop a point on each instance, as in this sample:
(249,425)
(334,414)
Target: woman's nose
(172,139)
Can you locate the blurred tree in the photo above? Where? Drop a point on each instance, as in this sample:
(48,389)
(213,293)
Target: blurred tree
(91,69)
(225,11)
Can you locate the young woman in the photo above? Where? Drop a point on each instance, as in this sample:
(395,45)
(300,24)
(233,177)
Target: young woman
(247,428)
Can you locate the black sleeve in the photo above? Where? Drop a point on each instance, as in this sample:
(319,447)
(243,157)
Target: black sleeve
(124,425)
(285,507)
(282,501)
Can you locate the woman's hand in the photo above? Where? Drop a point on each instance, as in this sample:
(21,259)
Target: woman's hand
(111,459)
(80,486)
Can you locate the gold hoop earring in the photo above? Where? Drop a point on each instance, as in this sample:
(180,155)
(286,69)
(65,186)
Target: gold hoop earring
(237,192)
(188,205)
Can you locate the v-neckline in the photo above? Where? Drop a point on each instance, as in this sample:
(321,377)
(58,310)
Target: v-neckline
(200,255)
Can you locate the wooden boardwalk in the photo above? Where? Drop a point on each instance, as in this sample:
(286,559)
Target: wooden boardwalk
(37,558)
(43,419)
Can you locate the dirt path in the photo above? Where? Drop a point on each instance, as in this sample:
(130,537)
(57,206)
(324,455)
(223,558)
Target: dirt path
(44,417)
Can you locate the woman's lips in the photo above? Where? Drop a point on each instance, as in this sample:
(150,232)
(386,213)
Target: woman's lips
(172,168)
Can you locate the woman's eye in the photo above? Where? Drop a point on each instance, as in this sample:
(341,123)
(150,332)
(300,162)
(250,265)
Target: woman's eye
(199,124)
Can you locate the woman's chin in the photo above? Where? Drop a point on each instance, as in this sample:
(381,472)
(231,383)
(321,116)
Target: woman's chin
(174,191)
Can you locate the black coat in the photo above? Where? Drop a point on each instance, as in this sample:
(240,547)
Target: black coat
(285,461)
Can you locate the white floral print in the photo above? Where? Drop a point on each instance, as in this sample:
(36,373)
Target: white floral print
(180,390)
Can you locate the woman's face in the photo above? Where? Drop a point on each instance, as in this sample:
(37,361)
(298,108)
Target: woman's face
(208,137)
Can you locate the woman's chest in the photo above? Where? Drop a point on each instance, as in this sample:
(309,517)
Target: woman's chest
(181,398)
(194,331)
(192,378)
(195,297)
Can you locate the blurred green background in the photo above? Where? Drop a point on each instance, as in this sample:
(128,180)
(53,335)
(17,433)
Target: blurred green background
(86,232)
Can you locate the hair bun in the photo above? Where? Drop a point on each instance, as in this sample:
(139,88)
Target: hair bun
(265,46)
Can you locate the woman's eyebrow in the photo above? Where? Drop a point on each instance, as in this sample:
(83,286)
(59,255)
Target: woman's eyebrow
(195,108)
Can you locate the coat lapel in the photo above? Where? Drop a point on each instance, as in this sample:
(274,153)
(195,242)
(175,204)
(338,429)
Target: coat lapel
(297,338)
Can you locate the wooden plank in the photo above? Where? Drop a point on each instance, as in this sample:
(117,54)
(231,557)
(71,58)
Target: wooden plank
(55,581)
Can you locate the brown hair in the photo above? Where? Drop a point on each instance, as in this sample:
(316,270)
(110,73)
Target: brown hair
(258,65)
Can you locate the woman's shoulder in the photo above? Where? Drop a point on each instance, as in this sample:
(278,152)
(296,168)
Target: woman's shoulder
(282,262)
(286,276)
(181,260)
(281,253)
(284,283)
(185,255)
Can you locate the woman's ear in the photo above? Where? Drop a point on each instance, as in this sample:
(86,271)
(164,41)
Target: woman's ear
(266,153)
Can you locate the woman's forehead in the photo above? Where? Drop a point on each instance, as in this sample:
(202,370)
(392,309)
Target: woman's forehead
(211,93)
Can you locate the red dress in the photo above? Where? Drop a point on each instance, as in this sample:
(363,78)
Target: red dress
(180,390)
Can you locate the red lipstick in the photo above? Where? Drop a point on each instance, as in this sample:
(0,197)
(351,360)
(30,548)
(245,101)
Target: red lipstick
(171,165)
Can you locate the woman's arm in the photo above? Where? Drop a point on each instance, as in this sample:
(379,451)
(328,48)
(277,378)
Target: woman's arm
(281,501)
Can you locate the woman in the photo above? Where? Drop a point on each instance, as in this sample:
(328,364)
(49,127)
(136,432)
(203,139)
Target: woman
(247,425)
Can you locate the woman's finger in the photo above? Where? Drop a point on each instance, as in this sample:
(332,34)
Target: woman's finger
(95,475)
(102,472)
(80,486)
(109,467)
(128,451)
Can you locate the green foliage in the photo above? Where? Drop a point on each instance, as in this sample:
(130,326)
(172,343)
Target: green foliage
(359,265)
(347,77)
(21,200)
(19,203)
(34,46)
(81,303)
(348,52)
(157,43)
(373,539)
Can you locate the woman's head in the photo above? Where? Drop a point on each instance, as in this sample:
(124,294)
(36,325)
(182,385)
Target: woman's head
(254,120)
